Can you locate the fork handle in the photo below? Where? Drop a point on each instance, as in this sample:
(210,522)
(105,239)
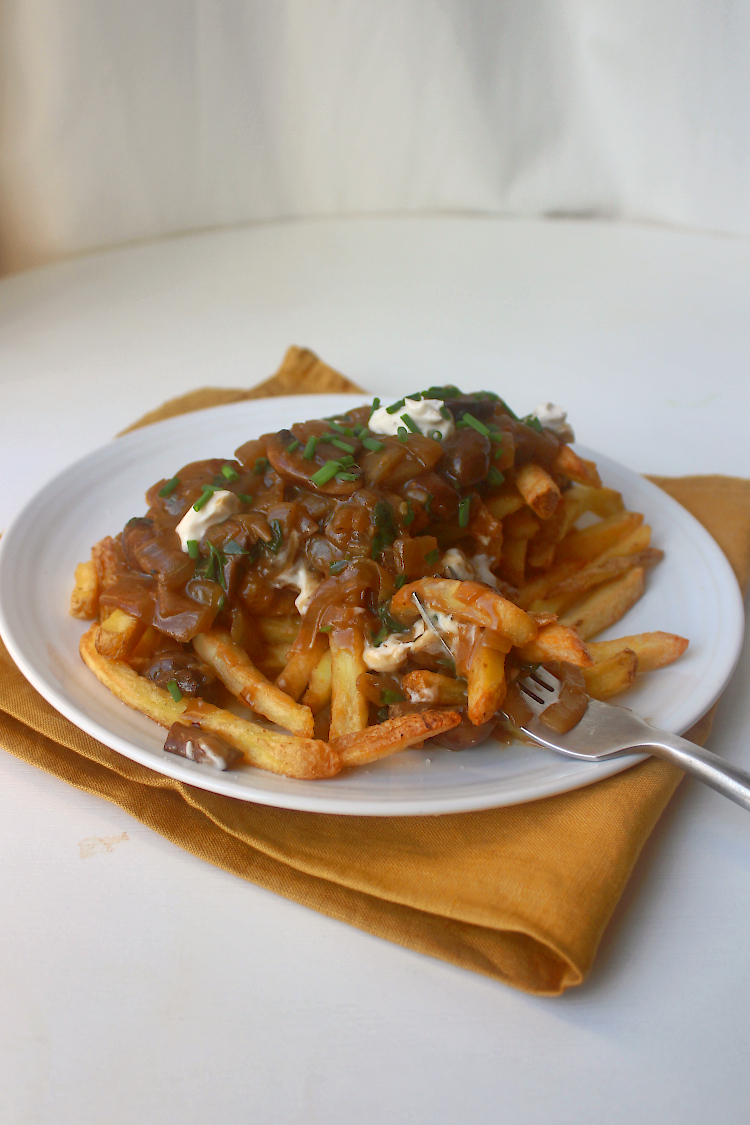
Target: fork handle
(722,776)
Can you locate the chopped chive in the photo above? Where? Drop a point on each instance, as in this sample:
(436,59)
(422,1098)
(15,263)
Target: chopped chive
(508,410)
(463,511)
(342,445)
(312,445)
(400,581)
(291,448)
(230,473)
(244,498)
(533,422)
(222,602)
(396,406)
(428,503)
(348,460)
(232,547)
(432,557)
(436,435)
(208,491)
(375,406)
(388,695)
(476,425)
(373,445)
(325,628)
(174,691)
(445,412)
(409,517)
(379,637)
(338,566)
(325,473)
(169,487)
(495,477)
(359,431)
(192,546)
(495,435)
(402,433)
(346,476)
(410,423)
(260,466)
(345,430)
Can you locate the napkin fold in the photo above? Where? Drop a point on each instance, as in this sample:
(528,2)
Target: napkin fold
(521,894)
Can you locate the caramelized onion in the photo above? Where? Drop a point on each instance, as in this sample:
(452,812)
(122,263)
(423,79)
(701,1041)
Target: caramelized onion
(571,706)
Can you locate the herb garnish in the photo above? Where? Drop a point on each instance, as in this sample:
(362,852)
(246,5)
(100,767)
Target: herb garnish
(169,487)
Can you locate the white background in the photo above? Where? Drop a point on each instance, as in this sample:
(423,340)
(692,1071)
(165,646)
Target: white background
(139,984)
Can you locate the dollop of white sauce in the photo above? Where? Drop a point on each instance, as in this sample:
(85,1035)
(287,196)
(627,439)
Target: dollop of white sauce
(305,580)
(554,418)
(481,566)
(218,508)
(424,412)
(477,567)
(395,649)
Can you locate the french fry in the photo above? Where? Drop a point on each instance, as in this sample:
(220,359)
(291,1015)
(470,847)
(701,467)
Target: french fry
(362,747)
(562,596)
(118,634)
(285,754)
(295,675)
(486,683)
(576,468)
(555,642)
(513,566)
(611,676)
(433,687)
(277,630)
(654,650)
(582,498)
(523,524)
(541,551)
(84,601)
(586,544)
(538,489)
(469,602)
(349,707)
(237,672)
(318,694)
(606,605)
(104,556)
(505,503)
(638,540)
(532,593)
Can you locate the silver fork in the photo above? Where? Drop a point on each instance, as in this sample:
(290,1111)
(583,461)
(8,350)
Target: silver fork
(608,731)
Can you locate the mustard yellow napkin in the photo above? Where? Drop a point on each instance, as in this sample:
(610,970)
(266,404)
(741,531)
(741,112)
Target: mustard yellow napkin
(520,894)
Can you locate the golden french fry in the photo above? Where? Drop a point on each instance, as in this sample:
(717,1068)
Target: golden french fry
(486,683)
(523,524)
(513,565)
(576,468)
(505,503)
(349,707)
(638,540)
(606,605)
(586,544)
(295,675)
(555,642)
(562,596)
(538,489)
(582,498)
(469,602)
(654,650)
(433,687)
(105,557)
(237,672)
(277,630)
(318,694)
(386,738)
(285,754)
(534,591)
(611,676)
(118,635)
(84,601)
(144,648)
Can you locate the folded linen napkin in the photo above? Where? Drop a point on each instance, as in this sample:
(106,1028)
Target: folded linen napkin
(521,894)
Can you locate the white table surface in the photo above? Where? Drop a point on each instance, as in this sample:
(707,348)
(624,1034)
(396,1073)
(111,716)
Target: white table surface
(139,984)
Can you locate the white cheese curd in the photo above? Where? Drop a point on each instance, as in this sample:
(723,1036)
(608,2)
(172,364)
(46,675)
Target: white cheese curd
(305,580)
(482,572)
(456,560)
(194,525)
(554,418)
(424,413)
(395,649)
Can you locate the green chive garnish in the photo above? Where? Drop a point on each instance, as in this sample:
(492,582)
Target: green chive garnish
(409,517)
(388,695)
(348,460)
(495,435)
(244,499)
(232,547)
(208,491)
(359,431)
(375,406)
(436,435)
(230,473)
(346,476)
(260,466)
(169,487)
(410,423)
(495,477)
(222,602)
(402,433)
(463,511)
(432,557)
(476,425)
(396,406)
(345,430)
(338,566)
(325,473)
(291,448)
(174,691)
(508,410)
(400,581)
(373,445)
(342,445)
(312,445)
(428,503)
(325,628)
(192,546)
(445,412)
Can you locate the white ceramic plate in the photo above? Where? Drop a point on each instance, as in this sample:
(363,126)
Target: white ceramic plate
(693,592)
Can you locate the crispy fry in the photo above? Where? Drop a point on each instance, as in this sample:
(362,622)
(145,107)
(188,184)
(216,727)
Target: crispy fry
(541,551)
(565,593)
(486,683)
(611,676)
(295,675)
(318,694)
(118,635)
(105,558)
(513,565)
(369,745)
(523,524)
(586,544)
(285,754)
(84,601)
(582,498)
(576,468)
(638,540)
(538,489)
(556,642)
(469,602)
(433,687)
(277,630)
(606,605)
(654,650)
(237,672)
(349,707)
(505,503)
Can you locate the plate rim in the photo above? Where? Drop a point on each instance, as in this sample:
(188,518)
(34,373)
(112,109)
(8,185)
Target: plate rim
(318,800)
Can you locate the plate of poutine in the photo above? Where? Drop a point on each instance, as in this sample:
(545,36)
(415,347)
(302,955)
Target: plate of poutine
(325,600)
